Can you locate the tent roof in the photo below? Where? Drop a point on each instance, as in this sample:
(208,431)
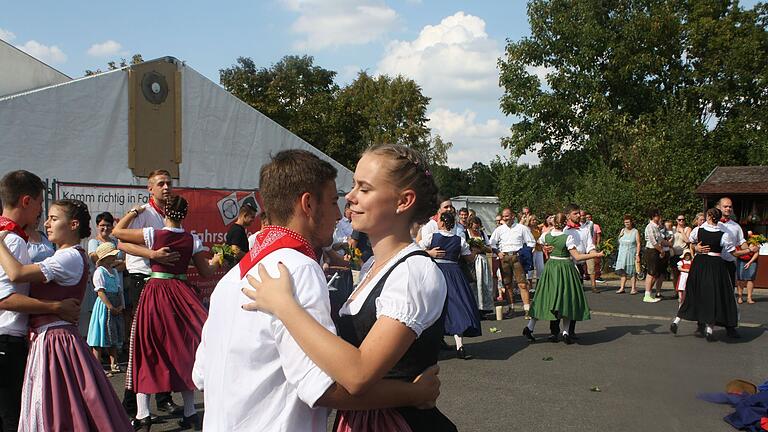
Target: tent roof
(77,131)
(20,71)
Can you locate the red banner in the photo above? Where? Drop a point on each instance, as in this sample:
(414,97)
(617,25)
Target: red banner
(211,213)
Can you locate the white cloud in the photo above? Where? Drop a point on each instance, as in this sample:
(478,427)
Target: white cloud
(473,140)
(7,35)
(47,54)
(452,60)
(340,22)
(541,73)
(106,49)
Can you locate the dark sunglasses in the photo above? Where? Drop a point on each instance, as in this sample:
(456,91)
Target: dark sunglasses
(681,220)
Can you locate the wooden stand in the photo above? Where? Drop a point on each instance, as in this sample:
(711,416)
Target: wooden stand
(761,279)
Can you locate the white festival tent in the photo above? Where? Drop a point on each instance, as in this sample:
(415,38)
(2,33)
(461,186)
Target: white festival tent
(78,131)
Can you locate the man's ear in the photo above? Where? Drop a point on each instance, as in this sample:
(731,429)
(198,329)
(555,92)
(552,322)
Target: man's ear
(305,203)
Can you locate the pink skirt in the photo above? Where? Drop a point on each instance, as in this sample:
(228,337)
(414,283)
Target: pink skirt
(378,420)
(164,337)
(65,388)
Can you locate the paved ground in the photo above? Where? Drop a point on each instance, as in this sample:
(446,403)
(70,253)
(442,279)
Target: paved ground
(648,378)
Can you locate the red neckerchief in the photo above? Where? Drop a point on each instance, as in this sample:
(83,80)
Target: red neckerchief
(9,225)
(724,219)
(570,224)
(157,208)
(270,239)
(434,218)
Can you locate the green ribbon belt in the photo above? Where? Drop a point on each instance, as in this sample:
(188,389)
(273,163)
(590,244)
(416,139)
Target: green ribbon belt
(161,275)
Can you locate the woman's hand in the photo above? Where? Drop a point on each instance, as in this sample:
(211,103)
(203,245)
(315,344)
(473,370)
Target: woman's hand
(427,388)
(746,266)
(271,295)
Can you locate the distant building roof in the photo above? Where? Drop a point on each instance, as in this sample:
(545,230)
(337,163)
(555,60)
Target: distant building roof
(743,180)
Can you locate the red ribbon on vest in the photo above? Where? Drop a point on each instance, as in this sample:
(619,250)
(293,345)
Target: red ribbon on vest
(157,208)
(270,239)
(9,225)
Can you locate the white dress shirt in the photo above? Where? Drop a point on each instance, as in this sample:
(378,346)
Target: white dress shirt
(726,242)
(736,234)
(582,239)
(148,218)
(14,323)
(509,239)
(254,375)
(414,293)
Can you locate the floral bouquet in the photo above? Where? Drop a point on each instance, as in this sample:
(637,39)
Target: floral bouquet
(756,240)
(476,243)
(606,246)
(356,260)
(227,254)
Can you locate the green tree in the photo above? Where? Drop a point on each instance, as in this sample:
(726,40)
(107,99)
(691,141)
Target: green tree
(112,65)
(642,99)
(293,92)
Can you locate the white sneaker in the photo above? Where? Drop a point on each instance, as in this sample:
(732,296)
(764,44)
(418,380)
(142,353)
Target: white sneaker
(649,299)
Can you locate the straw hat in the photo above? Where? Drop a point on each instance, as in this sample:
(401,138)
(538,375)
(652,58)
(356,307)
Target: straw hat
(104,250)
(685,252)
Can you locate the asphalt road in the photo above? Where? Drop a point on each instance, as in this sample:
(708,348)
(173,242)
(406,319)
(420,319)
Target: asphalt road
(648,378)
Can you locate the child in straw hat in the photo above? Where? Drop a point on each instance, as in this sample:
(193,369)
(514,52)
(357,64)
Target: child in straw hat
(104,331)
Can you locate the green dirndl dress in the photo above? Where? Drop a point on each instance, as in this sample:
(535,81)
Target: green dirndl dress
(559,293)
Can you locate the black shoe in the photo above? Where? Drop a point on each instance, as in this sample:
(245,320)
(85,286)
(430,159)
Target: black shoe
(673,328)
(732,333)
(700,332)
(710,337)
(554,338)
(169,407)
(443,345)
(144,424)
(567,339)
(191,422)
(529,334)
(460,353)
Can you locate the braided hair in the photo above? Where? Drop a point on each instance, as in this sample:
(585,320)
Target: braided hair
(176,208)
(76,210)
(408,169)
(449,220)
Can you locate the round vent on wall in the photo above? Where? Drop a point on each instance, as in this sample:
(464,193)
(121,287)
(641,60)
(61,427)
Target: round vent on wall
(154,87)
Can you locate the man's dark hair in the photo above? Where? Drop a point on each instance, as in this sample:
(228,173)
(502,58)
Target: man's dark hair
(290,174)
(464,210)
(653,212)
(17,184)
(571,207)
(105,216)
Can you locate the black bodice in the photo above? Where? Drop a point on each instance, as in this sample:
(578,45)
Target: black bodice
(711,239)
(424,351)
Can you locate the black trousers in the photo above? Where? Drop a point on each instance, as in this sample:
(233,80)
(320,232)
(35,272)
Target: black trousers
(13,360)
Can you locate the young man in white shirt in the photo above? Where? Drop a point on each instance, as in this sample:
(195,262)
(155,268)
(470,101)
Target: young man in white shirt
(431,227)
(21,193)
(653,254)
(507,240)
(159,185)
(254,375)
(727,224)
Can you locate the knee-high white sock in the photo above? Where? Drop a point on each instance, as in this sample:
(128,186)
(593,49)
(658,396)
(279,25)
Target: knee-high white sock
(142,405)
(526,307)
(189,403)
(459,341)
(531,323)
(566,325)
(709,329)
(677,320)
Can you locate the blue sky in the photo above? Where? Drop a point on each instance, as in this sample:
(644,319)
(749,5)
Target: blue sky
(449,47)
